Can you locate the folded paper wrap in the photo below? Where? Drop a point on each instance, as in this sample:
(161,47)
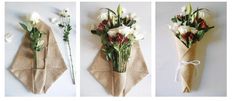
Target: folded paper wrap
(119,84)
(187,71)
(50,62)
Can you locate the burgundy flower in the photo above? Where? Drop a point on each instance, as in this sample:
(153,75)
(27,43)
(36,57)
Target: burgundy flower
(191,36)
(101,27)
(119,38)
(105,22)
(110,39)
(203,24)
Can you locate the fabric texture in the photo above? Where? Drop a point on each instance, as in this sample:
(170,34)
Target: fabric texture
(50,62)
(187,71)
(119,84)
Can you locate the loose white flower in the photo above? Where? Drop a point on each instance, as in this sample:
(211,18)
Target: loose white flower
(8,37)
(53,20)
(113,32)
(65,13)
(138,36)
(183,29)
(34,18)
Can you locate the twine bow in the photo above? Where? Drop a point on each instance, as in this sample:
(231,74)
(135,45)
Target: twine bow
(193,62)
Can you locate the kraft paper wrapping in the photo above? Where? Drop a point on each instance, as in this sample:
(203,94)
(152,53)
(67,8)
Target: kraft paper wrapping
(119,84)
(50,62)
(187,71)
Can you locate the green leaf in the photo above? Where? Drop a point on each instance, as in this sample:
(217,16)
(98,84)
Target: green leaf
(109,10)
(24,27)
(174,19)
(200,34)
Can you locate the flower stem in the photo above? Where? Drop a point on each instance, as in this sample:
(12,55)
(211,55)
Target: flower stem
(72,71)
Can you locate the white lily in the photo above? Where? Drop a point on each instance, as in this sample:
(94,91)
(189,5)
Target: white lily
(183,29)
(113,32)
(124,30)
(174,27)
(34,18)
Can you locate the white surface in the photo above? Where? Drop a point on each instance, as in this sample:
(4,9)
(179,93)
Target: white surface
(90,45)
(211,51)
(13,14)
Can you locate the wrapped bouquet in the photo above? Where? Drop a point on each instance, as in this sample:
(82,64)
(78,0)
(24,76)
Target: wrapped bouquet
(189,27)
(119,52)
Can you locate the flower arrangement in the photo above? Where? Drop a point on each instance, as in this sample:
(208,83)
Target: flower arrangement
(118,32)
(190,26)
(64,24)
(35,35)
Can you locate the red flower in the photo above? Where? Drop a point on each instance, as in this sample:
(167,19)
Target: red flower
(203,24)
(110,39)
(101,27)
(105,22)
(126,40)
(191,36)
(119,38)
(187,35)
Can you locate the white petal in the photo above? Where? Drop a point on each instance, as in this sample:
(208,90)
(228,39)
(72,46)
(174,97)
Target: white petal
(8,37)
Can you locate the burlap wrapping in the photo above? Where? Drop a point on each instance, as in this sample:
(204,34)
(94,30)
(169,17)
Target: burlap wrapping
(50,62)
(119,84)
(187,71)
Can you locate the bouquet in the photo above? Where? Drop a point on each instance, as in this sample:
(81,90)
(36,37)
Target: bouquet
(189,27)
(119,37)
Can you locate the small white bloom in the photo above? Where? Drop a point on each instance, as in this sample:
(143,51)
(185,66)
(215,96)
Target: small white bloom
(92,27)
(124,10)
(103,16)
(40,43)
(183,29)
(112,32)
(34,18)
(124,30)
(133,15)
(135,26)
(8,37)
(203,14)
(65,13)
(193,30)
(183,9)
(53,20)
(174,27)
(138,36)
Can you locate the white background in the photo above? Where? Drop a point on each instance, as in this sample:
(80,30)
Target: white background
(14,14)
(211,51)
(90,45)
